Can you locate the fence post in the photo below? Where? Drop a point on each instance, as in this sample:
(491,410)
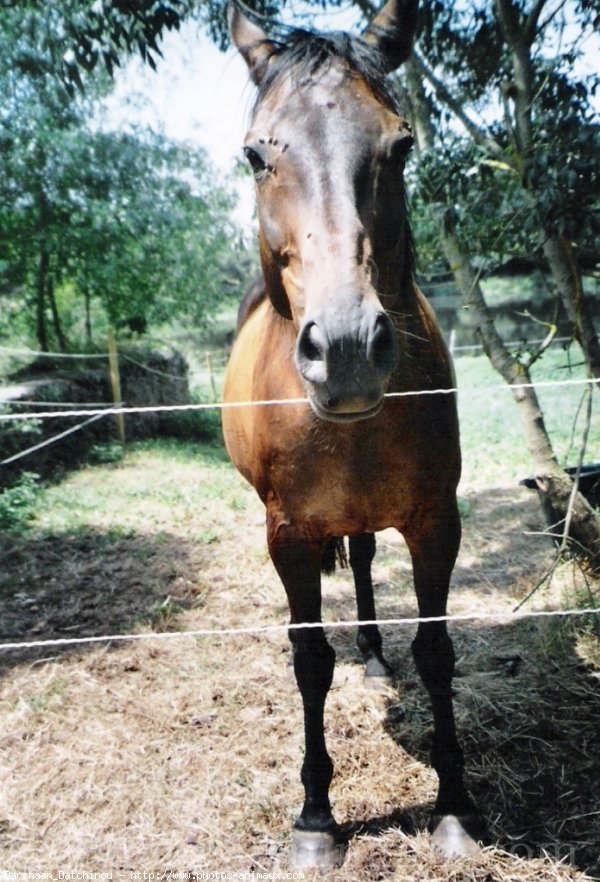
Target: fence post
(211,376)
(115,382)
(452,343)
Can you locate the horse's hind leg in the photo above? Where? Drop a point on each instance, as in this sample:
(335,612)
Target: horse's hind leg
(455,825)
(362,552)
(315,841)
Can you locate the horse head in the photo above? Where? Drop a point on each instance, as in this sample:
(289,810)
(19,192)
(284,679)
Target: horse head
(327,147)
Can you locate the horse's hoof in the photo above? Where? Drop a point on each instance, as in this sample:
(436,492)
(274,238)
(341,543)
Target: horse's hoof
(315,849)
(456,835)
(378,682)
(378,674)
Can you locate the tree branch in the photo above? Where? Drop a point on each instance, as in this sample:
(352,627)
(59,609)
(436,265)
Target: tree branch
(531,22)
(510,23)
(446,97)
(515,30)
(550,335)
(367,8)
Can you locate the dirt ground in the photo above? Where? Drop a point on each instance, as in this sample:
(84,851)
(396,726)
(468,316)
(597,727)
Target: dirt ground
(182,753)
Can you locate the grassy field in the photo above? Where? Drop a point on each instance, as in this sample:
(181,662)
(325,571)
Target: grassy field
(182,753)
(491,431)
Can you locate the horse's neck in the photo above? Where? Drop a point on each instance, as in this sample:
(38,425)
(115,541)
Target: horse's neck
(399,294)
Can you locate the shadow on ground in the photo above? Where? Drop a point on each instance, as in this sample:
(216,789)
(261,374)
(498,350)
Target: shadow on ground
(92,583)
(528,709)
(527,706)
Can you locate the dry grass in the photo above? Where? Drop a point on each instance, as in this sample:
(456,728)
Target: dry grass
(184,754)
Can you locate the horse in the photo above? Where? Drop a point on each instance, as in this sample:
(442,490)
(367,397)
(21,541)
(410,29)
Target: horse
(341,329)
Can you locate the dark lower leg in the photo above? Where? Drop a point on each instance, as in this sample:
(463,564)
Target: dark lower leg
(314,662)
(299,566)
(362,552)
(434,658)
(434,552)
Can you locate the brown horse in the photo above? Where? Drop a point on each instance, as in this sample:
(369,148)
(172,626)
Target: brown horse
(341,324)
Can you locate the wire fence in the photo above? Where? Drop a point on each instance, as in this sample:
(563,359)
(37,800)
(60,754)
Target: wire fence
(38,353)
(218,353)
(256,630)
(37,411)
(96,411)
(224,405)
(512,344)
(22,402)
(53,440)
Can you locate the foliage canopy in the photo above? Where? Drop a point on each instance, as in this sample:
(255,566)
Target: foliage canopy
(127,225)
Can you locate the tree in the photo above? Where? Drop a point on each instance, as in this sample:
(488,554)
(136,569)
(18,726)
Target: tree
(128,219)
(509,81)
(539,151)
(72,39)
(151,232)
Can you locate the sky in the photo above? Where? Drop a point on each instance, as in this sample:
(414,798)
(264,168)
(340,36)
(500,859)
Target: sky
(197,94)
(202,95)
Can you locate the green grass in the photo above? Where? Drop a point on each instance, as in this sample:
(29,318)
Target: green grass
(18,503)
(492,436)
(493,442)
(152,485)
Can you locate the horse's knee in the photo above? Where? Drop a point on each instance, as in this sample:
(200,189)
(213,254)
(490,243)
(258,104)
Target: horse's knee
(314,663)
(434,657)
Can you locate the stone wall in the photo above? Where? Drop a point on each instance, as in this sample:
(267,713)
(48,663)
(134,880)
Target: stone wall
(148,378)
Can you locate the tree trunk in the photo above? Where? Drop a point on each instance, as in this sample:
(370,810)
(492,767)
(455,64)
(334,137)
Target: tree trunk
(565,271)
(88,317)
(550,477)
(507,365)
(42,275)
(56,323)
(520,32)
(552,480)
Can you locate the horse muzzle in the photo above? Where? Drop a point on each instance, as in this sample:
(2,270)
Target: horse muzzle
(346,364)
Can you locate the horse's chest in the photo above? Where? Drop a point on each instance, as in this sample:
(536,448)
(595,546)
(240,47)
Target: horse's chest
(339,486)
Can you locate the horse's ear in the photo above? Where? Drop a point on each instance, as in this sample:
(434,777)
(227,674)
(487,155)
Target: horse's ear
(393,30)
(251,41)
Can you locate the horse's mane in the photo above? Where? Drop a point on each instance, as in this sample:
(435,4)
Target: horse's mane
(303,53)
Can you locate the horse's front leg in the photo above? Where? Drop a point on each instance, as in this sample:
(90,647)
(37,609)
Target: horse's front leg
(456,826)
(362,553)
(315,841)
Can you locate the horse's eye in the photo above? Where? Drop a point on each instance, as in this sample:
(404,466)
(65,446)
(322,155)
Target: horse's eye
(259,166)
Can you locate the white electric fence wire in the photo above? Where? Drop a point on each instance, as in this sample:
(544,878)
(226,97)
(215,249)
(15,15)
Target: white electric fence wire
(226,405)
(21,402)
(51,440)
(475,347)
(151,370)
(32,352)
(253,630)
(512,344)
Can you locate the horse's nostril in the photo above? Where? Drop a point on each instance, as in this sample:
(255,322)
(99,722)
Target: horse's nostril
(311,344)
(383,345)
(311,353)
(382,333)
